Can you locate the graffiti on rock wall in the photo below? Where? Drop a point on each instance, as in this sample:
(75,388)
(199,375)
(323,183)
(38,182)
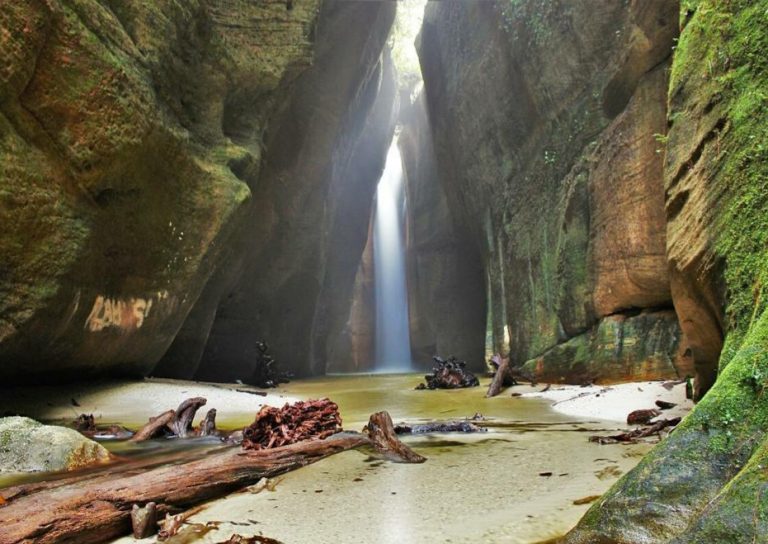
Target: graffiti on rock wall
(125,314)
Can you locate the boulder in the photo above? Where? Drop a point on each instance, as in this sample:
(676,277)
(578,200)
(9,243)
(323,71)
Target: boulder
(27,445)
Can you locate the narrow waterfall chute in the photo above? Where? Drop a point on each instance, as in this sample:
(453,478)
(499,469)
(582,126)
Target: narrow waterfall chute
(393,344)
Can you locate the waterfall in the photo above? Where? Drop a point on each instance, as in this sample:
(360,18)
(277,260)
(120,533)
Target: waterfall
(393,342)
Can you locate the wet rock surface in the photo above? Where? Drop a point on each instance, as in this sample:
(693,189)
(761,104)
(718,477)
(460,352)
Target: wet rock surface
(291,267)
(147,148)
(444,269)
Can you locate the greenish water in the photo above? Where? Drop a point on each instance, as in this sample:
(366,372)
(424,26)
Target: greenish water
(515,483)
(473,488)
(359,395)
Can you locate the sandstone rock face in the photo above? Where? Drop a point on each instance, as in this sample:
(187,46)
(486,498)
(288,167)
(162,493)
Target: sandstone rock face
(129,136)
(706,482)
(445,274)
(290,272)
(551,163)
(27,445)
(619,349)
(627,252)
(354,347)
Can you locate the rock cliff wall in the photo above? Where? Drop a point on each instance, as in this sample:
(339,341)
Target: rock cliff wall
(549,161)
(290,272)
(445,274)
(128,136)
(706,482)
(145,147)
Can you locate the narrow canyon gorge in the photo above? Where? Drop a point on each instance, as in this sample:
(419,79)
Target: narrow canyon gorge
(192,190)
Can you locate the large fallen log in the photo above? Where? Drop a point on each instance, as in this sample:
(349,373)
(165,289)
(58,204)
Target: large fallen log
(97,507)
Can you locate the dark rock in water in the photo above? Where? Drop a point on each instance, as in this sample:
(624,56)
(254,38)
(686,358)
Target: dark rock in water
(449,374)
(267,373)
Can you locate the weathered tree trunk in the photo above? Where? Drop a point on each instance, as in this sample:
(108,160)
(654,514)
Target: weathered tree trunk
(382,433)
(96,507)
(502,378)
(506,375)
(154,427)
(177,422)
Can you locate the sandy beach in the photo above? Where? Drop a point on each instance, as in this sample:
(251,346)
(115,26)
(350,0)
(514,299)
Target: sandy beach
(610,402)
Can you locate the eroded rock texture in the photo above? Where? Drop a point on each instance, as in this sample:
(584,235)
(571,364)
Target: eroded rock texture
(445,274)
(157,157)
(127,134)
(290,271)
(544,119)
(707,481)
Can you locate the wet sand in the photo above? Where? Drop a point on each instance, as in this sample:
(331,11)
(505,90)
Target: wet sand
(513,484)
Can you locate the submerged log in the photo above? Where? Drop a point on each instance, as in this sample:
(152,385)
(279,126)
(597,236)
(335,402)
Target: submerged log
(96,507)
(439,427)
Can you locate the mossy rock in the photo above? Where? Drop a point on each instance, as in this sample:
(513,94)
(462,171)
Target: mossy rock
(619,349)
(706,482)
(27,445)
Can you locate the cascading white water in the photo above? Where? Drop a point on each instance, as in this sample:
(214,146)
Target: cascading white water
(393,343)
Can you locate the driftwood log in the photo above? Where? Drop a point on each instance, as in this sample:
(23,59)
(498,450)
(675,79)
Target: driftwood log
(178,422)
(96,506)
(506,375)
(449,374)
(381,432)
(439,427)
(632,437)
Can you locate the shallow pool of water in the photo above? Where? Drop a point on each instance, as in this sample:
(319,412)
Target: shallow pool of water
(516,483)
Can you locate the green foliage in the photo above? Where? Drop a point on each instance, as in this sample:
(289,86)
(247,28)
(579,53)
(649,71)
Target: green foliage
(744,227)
(410,14)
